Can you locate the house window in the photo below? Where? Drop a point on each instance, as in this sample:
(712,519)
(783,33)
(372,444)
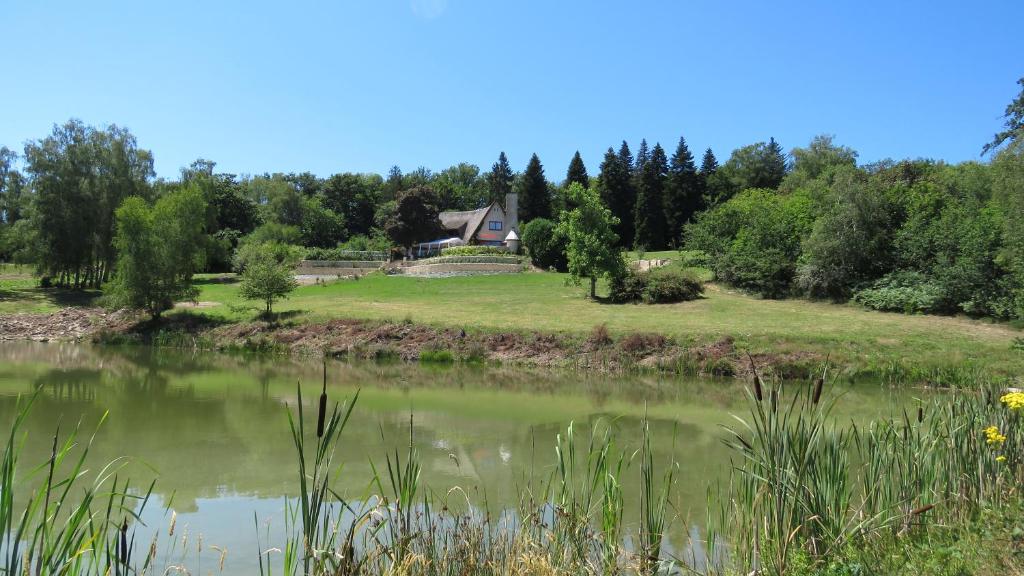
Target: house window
(494,225)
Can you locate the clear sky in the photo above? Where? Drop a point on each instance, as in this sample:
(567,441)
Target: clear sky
(361,85)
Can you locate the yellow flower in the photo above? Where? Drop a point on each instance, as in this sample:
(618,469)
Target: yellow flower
(1000,458)
(992,436)
(1013,400)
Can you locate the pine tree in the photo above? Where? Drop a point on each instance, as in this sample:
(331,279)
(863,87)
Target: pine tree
(709,165)
(616,186)
(642,157)
(682,192)
(650,202)
(775,164)
(499,180)
(534,198)
(577,172)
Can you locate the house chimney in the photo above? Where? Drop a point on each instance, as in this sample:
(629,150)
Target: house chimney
(512,211)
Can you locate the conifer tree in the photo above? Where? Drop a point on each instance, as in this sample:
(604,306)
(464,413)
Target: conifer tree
(577,172)
(616,186)
(682,192)
(775,164)
(642,157)
(650,202)
(499,180)
(534,197)
(709,164)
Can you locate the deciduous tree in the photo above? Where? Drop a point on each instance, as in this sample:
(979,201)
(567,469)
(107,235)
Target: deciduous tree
(592,245)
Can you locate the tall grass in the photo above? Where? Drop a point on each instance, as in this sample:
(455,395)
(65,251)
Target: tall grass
(806,485)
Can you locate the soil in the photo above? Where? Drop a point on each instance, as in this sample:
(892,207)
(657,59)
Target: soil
(407,341)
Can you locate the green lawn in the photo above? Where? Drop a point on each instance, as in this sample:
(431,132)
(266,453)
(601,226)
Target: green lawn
(544,302)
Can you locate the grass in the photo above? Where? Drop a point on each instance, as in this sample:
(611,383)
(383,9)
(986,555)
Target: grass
(544,302)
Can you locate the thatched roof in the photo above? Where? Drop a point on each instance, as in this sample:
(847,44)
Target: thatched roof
(465,223)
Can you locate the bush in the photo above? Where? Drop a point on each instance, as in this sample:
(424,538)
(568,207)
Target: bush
(545,246)
(666,286)
(659,286)
(252,250)
(363,243)
(903,291)
(341,253)
(474,251)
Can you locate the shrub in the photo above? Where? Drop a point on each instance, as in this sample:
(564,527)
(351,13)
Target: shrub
(252,250)
(666,286)
(902,291)
(659,286)
(599,336)
(545,245)
(363,243)
(474,251)
(642,343)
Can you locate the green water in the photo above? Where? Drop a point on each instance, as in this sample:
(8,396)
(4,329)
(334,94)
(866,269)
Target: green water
(212,429)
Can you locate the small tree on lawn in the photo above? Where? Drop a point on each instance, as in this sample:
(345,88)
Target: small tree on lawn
(267,277)
(592,247)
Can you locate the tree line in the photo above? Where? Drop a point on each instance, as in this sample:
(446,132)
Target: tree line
(912,235)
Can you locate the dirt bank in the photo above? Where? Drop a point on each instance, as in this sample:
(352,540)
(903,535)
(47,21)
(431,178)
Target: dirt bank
(405,341)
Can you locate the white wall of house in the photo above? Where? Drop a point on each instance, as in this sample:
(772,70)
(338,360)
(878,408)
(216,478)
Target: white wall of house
(495,218)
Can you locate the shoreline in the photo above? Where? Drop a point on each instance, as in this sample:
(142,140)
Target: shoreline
(417,342)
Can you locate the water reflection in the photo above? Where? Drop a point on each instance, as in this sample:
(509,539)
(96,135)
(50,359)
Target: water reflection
(212,429)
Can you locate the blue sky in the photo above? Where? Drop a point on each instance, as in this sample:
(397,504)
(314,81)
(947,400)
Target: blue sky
(360,86)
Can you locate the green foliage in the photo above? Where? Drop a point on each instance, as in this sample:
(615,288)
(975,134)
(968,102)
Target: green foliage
(354,197)
(615,184)
(591,247)
(684,192)
(159,248)
(651,225)
(363,243)
(266,276)
(545,245)
(850,243)
(577,172)
(252,250)
(474,251)
(903,291)
(80,176)
(321,226)
(499,179)
(414,218)
(658,286)
(534,196)
(1014,126)
(461,187)
(753,240)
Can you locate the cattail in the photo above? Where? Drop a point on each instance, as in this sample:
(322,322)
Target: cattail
(922,509)
(757,380)
(819,383)
(920,414)
(774,395)
(123,551)
(323,407)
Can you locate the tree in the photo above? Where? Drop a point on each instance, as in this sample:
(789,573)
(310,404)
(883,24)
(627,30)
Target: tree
(321,227)
(683,192)
(544,244)
(577,172)
(499,180)
(616,186)
(1014,125)
(393,184)
(650,202)
(461,187)
(355,198)
(592,246)
(534,197)
(708,164)
(759,165)
(414,217)
(642,157)
(267,277)
(159,249)
(820,156)
(80,175)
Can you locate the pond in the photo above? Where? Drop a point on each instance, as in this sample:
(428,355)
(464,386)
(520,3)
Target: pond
(212,429)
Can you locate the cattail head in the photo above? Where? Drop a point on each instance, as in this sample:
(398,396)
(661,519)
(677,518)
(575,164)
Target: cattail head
(922,509)
(322,413)
(123,549)
(920,414)
(758,394)
(819,383)
(774,396)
